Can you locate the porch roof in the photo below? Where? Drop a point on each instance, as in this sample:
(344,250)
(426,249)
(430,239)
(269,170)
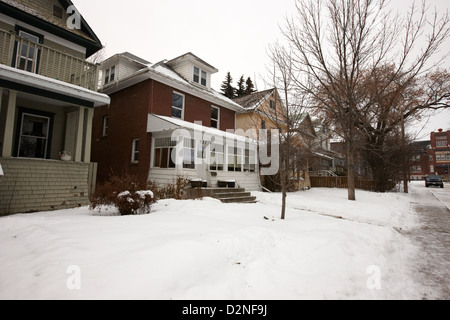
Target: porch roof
(15,79)
(157,123)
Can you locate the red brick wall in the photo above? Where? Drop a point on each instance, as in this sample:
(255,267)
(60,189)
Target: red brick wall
(127,121)
(196,109)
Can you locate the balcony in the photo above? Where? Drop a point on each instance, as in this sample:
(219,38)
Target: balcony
(28,55)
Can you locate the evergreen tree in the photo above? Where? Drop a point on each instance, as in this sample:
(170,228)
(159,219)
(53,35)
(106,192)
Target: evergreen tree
(240,90)
(226,88)
(250,87)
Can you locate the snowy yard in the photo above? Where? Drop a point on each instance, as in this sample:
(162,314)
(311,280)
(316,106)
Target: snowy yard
(328,248)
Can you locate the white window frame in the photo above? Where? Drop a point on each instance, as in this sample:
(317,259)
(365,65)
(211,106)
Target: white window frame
(162,143)
(201,75)
(182,108)
(218,117)
(105,126)
(135,151)
(23,135)
(29,40)
(110,75)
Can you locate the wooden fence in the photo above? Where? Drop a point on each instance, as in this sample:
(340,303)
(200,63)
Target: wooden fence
(341,182)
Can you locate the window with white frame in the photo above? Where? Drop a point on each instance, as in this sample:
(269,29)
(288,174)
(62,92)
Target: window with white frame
(110,74)
(217,155)
(250,158)
(27,52)
(105,126)
(177,105)
(200,76)
(215,117)
(135,151)
(188,153)
(234,159)
(163,153)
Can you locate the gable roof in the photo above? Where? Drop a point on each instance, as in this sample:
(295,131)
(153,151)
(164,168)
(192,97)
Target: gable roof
(252,101)
(31,13)
(193,58)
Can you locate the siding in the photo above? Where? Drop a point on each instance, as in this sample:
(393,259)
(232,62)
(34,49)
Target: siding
(37,185)
(249,181)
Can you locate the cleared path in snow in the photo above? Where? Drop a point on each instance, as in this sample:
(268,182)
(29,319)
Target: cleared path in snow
(432,236)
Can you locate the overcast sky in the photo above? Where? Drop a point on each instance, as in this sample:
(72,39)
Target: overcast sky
(231,35)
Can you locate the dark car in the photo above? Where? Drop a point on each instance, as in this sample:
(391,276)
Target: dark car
(434,180)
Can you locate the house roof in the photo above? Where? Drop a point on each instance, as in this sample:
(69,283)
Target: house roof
(32,13)
(164,73)
(193,58)
(252,101)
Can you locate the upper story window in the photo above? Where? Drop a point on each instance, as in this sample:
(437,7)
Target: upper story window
(441,144)
(110,74)
(215,117)
(177,105)
(27,51)
(272,104)
(200,76)
(57,11)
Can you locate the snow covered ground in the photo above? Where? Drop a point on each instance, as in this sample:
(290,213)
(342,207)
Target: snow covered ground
(328,248)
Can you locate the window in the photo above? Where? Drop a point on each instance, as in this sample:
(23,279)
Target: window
(163,153)
(110,74)
(105,126)
(200,76)
(188,153)
(217,156)
(430,157)
(272,104)
(431,169)
(135,151)
(234,159)
(249,158)
(438,157)
(215,117)
(34,135)
(57,11)
(448,156)
(27,52)
(177,105)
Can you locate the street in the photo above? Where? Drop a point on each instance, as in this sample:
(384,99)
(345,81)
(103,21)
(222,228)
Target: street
(432,269)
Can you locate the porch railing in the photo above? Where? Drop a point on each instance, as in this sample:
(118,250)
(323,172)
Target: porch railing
(37,58)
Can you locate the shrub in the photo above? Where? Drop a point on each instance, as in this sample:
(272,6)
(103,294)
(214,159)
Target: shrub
(128,193)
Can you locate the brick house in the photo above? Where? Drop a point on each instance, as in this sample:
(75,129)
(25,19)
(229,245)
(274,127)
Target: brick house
(48,92)
(165,120)
(439,153)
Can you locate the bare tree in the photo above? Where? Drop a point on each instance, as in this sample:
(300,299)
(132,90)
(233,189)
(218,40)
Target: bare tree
(334,45)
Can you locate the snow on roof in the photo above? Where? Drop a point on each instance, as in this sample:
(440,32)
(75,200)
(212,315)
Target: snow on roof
(162,69)
(254,100)
(157,123)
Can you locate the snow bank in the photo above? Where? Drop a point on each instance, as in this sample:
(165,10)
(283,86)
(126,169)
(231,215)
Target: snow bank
(328,248)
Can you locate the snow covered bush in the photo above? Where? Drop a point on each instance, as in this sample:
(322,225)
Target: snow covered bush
(128,193)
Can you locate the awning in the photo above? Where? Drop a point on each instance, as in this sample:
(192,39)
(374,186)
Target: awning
(15,79)
(157,123)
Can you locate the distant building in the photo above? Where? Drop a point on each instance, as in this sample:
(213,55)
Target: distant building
(439,153)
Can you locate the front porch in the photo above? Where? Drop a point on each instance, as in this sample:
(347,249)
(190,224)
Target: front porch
(40,119)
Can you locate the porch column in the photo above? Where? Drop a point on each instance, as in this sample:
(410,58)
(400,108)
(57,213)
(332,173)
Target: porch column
(79,144)
(8,135)
(88,135)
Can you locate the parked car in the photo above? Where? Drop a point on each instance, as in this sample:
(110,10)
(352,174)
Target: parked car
(434,180)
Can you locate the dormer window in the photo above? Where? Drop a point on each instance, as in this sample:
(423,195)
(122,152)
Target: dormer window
(199,76)
(110,74)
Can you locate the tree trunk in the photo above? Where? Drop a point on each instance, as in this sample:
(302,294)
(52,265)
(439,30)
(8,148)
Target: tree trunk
(350,171)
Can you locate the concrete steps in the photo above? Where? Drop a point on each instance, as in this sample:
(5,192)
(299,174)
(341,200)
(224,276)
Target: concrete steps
(232,195)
